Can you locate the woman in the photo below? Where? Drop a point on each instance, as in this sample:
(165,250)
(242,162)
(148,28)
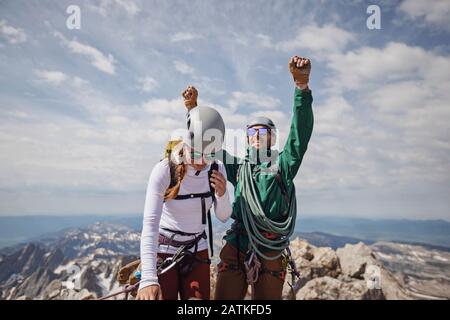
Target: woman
(174,250)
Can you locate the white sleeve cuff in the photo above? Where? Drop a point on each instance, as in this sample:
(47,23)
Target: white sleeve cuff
(147,283)
(223,207)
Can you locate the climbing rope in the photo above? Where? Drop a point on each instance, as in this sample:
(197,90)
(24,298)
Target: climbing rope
(127,290)
(255,221)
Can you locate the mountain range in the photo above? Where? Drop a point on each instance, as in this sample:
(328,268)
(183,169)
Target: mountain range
(14,230)
(82,263)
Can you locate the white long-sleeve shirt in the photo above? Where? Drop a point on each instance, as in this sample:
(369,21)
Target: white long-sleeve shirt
(180,215)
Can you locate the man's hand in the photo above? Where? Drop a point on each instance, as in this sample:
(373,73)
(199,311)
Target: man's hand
(152,292)
(190,97)
(300,69)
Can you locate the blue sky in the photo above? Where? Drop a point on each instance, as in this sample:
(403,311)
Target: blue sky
(85,113)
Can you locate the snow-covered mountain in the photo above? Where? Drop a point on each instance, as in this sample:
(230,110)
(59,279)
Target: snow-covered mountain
(74,264)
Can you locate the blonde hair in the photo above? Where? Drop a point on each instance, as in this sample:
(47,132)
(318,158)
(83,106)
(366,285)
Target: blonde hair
(177,165)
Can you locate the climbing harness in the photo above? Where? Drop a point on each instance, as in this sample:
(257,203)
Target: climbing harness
(183,257)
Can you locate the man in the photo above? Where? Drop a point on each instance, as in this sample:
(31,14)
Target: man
(264,208)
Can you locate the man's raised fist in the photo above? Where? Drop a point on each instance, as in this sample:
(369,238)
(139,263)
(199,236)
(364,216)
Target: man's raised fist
(300,69)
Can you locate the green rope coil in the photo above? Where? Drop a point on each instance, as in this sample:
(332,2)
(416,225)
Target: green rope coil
(255,220)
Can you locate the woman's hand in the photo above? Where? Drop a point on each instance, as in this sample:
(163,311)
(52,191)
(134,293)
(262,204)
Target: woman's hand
(190,97)
(152,292)
(218,182)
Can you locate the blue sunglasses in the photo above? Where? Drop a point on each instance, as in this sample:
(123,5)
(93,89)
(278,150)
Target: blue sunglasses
(261,131)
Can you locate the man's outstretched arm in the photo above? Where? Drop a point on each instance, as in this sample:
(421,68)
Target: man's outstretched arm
(302,119)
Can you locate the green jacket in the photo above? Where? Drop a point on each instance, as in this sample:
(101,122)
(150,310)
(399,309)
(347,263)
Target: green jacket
(288,163)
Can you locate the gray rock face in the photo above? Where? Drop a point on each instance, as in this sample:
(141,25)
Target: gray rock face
(53,290)
(313,262)
(355,258)
(88,281)
(327,288)
(325,262)
(29,270)
(359,261)
(26,260)
(35,284)
(352,272)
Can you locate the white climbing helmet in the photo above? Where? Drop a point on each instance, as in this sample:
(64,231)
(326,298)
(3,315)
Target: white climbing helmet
(206,130)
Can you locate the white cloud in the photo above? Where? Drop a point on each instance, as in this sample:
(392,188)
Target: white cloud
(99,60)
(400,97)
(112,152)
(184,36)
(334,116)
(434,12)
(113,120)
(400,110)
(253,100)
(174,109)
(57,78)
(129,6)
(264,40)
(52,77)
(396,61)
(214,86)
(12,35)
(183,68)
(320,40)
(79,82)
(148,84)
(105,7)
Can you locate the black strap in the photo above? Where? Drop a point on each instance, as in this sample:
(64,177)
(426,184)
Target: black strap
(210,236)
(179,232)
(163,240)
(283,189)
(203,211)
(214,166)
(193,195)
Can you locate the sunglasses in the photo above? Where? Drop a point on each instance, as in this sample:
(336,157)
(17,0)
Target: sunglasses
(261,131)
(198,155)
